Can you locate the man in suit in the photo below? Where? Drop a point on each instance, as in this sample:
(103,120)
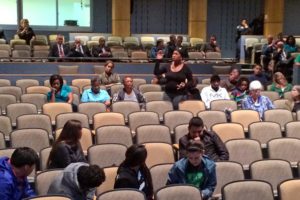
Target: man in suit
(101,50)
(59,50)
(79,50)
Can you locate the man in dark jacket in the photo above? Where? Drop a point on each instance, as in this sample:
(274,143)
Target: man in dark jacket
(196,169)
(78,181)
(213,145)
(13,174)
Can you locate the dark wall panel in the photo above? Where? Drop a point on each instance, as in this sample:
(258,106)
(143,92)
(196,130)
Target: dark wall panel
(159,16)
(102,16)
(291,17)
(224,16)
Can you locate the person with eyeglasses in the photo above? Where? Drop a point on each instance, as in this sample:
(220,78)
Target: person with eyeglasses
(213,145)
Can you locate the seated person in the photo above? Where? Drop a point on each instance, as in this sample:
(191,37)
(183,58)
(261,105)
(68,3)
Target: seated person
(67,148)
(259,75)
(101,50)
(78,181)
(280,84)
(95,94)
(13,174)
(133,171)
(296,98)
(240,91)
(2,35)
(25,32)
(108,77)
(255,101)
(129,93)
(196,169)
(213,145)
(230,83)
(59,50)
(213,92)
(283,61)
(179,47)
(212,46)
(267,52)
(79,50)
(171,46)
(60,92)
(159,47)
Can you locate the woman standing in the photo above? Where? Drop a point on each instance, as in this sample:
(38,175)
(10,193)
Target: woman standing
(67,148)
(177,75)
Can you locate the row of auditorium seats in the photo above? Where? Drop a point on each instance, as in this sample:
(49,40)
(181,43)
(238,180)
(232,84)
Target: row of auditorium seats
(282,165)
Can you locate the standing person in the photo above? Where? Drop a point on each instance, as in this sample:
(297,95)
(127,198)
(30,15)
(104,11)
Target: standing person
(240,91)
(257,25)
(95,94)
(267,52)
(78,181)
(13,174)
(213,92)
(67,148)
(255,101)
(25,32)
(242,29)
(177,75)
(129,93)
(101,50)
(59,50)
(213,145)
(171,46)
(280,84)
(196,169)
(133,171)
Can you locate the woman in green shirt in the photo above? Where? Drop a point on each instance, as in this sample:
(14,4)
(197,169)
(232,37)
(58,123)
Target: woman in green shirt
(280,84)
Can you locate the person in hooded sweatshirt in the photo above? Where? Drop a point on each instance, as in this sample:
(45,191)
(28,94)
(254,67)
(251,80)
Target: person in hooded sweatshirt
(196,169)
(13,174)
(78,181)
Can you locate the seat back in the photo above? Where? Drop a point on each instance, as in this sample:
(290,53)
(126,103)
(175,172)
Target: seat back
(143,88)
(91,108)
(53,109)
(38,90)
(160,107)
(37,99)
(153,133)
(62,118)
(125,107)
(292,129)
(13,90)
(80,83)
(229,131)
(24,83)
(176,117)
(212,117)
(279,116)
(6,99)
(44,179)
(159,174)
(289,190)
(223,105)
(44,155)
(245,117)
(165,152)
(35,121)
(177,192)
(111,155)
(247,190)
(108,184)
(271,94)
(155,96)
(122,194)
(72,69)
(114,134)
(104,119)
(193,106)
(15,110)
(137,119)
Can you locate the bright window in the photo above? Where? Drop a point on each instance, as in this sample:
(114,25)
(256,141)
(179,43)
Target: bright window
(40,12)
(8,10)
(74,12)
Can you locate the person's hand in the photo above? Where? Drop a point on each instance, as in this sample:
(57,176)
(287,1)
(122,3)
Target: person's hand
(181,85)
(197,138)
(160,55)
(215,42)
(53,90)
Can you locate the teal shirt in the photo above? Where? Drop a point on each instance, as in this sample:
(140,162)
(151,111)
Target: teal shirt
(62,95)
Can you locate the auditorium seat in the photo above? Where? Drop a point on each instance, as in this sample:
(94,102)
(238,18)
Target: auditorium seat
(229,131)
(175,118)
(193,106)
(152,134)
(223,105)
(6,99)
(173,192)
(211,117)
(24,83)
(136,119)
(160,107)
(37,99)
(122,194)
(289,190)
(17,109)
(91,108)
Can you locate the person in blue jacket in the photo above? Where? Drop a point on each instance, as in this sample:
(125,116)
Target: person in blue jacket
(13,174)
(196,169)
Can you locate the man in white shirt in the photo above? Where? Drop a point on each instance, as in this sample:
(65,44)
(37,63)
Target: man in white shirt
(213,92)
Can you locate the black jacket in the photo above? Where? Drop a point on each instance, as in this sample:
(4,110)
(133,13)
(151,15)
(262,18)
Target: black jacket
(127,178)
(213,145)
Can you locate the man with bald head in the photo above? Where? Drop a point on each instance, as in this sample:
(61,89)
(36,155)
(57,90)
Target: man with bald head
(59,49)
